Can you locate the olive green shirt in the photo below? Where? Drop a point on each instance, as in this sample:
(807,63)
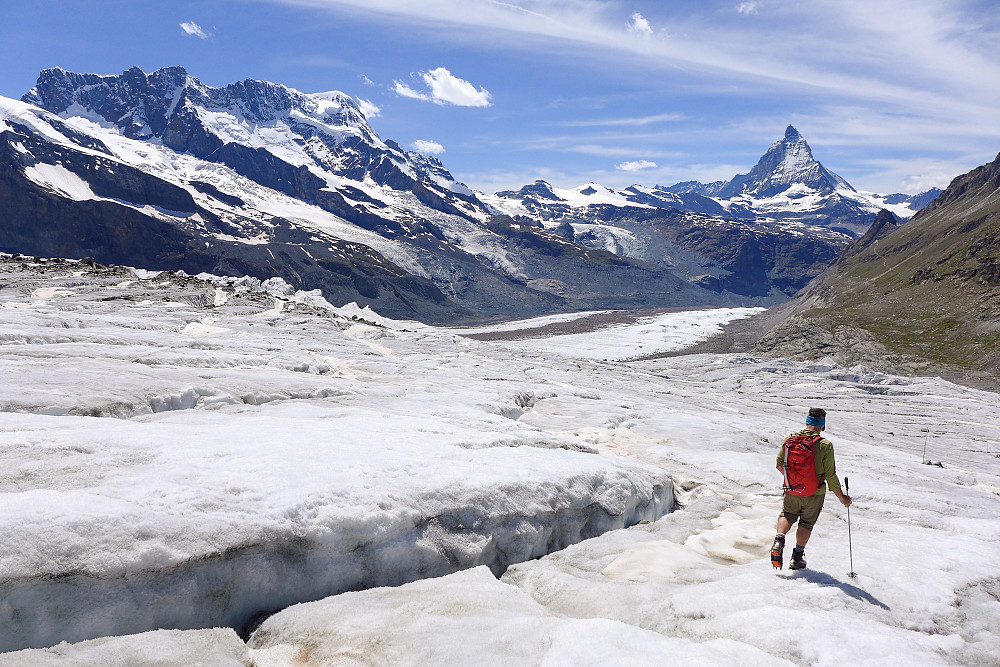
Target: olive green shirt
(826,466)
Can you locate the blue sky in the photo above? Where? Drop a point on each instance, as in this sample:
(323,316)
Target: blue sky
(894,95)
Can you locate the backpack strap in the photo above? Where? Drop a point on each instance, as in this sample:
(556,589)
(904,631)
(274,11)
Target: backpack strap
(784,464)
(822,479)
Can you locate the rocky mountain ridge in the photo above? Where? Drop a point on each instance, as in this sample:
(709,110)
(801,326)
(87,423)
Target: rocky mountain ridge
(786,185)
(160,170)
(925,295)
(301,138)
(255,178)
(789,161)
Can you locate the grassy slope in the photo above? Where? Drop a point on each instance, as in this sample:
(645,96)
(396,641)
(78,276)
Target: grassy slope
(929,292)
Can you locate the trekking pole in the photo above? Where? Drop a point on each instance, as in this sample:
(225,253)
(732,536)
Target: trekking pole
(850,549)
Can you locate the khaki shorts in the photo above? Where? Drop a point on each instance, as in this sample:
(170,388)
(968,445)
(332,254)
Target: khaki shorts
(804,510)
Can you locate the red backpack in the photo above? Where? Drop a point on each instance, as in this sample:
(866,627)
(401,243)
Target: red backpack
(800,465)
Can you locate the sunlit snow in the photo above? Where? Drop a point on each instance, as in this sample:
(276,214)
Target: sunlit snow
(60,179)
(248,447)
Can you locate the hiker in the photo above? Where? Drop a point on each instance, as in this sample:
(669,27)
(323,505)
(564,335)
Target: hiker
(809,471)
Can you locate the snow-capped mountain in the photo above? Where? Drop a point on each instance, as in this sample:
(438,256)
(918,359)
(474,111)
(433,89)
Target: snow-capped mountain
(313,142)
(924,296)
(161,171)
(763,234)
(547,202)
(787,184)
(788,162)
(902,205)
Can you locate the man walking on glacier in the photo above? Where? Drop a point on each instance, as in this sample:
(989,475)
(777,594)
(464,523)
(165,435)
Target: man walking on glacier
(807,464)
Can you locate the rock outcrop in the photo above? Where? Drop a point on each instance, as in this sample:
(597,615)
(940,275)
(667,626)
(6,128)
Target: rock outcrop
(928,291)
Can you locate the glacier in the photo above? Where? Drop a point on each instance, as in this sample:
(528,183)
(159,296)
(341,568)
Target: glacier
(185,453)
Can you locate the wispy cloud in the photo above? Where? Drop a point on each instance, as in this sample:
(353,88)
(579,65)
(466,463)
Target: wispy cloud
(815,47)
(635,165)
(612,146)
(369,109)
(195,30)
(806,56)
(365,80)
(313,61)
(443,87)
(623,122)
(427,146)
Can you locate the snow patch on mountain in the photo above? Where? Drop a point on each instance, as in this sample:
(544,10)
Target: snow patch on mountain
(60,179)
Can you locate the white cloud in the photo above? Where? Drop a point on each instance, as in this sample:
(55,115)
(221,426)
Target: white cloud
(369,109)
(443,87)
(635,165)
(640,25)
(192,28)
(449,89)
(747,8)
(405,91)
(426,146)
(365,80)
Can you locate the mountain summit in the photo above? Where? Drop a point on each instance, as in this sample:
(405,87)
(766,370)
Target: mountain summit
(789,161)
(311,135)
(788,183)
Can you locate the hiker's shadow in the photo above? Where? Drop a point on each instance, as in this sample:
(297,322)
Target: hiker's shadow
(824,579)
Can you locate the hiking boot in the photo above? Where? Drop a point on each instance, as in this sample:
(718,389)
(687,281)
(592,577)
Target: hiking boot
(798,559)
(777,551)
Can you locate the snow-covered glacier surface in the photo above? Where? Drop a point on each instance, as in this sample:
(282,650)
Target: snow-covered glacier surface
(186,452)
(266,455)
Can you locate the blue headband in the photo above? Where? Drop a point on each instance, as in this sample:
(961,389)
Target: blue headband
(813,420)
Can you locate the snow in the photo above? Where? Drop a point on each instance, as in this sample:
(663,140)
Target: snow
(60,179)
(157,479)
(452,186)
(333,454)
(15,111)
(278,137)
(322,467)
(180,168)
(902,210)
(468,618)
(529,323)
(162,648)
(260,239)
(662,333)
(502,205)
(796,160)
(614,239)
(580,196)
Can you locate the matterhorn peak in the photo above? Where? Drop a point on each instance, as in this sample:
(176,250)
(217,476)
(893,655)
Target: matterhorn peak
(787,162)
